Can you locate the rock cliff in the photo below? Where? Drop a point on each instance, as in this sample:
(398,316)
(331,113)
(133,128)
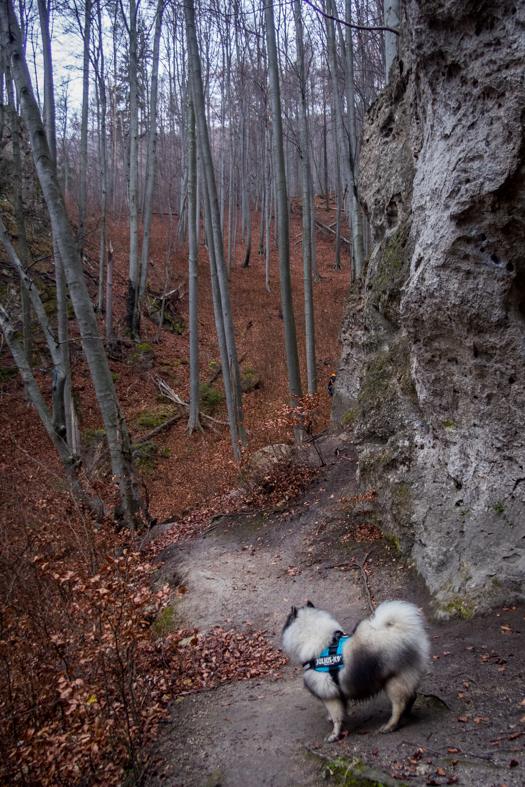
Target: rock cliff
(432,369)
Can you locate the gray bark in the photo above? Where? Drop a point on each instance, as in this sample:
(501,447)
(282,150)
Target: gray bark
(103,163)
(19,217)
(357,220)
(63,381)
(193,422)
(343,143)
(307,229)
(49,99)
(109,294)
(114,423)
(82,185)
(292,357)
(132,313)
(215,238)
(391,13)
(268,206)
(151,158)
(69,459)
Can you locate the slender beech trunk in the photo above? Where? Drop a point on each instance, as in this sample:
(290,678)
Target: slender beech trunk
(317,275)
(151,158)
(101,80)
(63,377)
(193,422)
(307,215)
(114,423)
(109,294)
(357,220)
(342,140)
(325,159)
(220,329)
(132,312)
(292,356)
(391,16)
(69,459)
(337,263)
(82,181)
(263,204)
(230,362)
(230,187)
(166,271)
(223,140)
(19,217)
(268,205)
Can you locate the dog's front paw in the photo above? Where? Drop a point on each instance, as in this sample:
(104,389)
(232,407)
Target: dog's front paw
(387,728)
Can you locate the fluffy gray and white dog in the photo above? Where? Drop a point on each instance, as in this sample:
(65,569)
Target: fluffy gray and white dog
(389,650)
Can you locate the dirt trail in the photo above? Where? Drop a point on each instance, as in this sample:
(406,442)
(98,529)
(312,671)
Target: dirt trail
(466,725)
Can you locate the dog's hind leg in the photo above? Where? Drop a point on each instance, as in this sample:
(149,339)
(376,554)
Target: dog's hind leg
(336,711)
(402,698)
(410,704)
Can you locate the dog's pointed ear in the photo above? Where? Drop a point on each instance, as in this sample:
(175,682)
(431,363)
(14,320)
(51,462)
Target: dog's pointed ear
(290,619)
(309,604)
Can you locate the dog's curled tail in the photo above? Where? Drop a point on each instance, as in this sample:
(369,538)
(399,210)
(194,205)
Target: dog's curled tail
(398,613)
(403,618)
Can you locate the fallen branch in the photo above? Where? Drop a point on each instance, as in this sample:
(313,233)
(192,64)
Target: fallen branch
(329,229)
(158,429)
(169,393)
(361,567)
(245,512)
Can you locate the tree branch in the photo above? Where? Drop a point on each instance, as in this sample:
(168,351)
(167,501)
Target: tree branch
(379,28)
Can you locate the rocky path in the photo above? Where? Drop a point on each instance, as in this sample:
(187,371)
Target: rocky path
(466,725)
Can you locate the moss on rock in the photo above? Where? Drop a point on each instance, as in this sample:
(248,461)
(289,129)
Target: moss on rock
(145,456)
(390,272)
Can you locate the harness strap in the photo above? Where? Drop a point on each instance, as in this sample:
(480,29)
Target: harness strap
(333,669)
(331,660)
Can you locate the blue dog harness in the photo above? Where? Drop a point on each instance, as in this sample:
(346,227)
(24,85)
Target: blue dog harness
(331,659)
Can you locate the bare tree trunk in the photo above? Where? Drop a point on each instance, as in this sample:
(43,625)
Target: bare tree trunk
(109,294)
(82,185)
(152,158)
(116,430)
(69,459)
(101,80)
(342,139)
(193,422)
(132,313)
(230,194)
(391,15)
(325,158)
(231,361)
(307,229)
(166,271)
(317,275)
(357,221)
(292,357)
(19,217)
(337,263)
(64,384)
(268,206)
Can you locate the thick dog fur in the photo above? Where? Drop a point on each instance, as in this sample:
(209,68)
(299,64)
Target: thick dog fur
(389,650)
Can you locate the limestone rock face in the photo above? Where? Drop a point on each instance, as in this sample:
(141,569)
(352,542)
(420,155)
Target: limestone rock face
(432,371)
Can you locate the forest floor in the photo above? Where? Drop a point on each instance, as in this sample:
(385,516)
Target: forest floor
(468,724)
(245,572)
